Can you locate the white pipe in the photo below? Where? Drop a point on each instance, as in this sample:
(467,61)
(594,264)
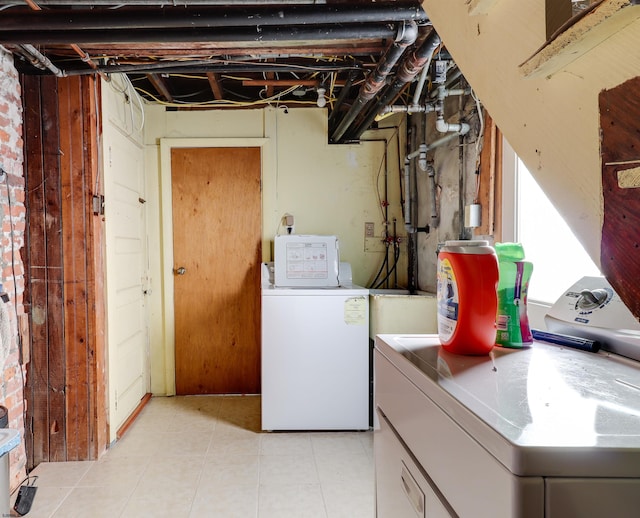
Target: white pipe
(407,198)
(421,82)
(421,152)
(41,61)
(448,127)
(452,129)
(435,219)
(443,92)
(413,108)
(441,141)
(422,157)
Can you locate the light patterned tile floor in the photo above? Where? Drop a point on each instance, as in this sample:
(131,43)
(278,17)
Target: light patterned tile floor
(205,456)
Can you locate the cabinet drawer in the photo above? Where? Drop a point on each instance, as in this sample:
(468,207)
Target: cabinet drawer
(402,488)
(472,481)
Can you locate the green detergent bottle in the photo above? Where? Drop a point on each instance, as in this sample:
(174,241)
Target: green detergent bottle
(512,322)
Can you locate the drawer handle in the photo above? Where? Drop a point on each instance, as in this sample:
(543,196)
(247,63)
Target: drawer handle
(412,490)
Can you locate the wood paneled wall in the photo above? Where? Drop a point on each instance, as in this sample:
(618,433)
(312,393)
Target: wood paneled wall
(490,181)
(620,150)
(66,379)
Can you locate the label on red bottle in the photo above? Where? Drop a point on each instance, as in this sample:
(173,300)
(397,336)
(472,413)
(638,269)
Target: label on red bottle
(447,297)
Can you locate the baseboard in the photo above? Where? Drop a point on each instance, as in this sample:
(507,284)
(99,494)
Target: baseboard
(129,421)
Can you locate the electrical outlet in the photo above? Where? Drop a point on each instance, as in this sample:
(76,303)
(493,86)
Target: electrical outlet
(369,229)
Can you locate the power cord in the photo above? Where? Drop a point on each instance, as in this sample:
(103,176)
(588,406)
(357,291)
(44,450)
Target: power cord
(31,481)
(5,175)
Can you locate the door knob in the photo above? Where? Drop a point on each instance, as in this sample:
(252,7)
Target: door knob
(180,271)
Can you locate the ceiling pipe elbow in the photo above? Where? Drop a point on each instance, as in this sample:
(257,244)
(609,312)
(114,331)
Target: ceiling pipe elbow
(39,60)
(406,35)
(410,67)
(447,127)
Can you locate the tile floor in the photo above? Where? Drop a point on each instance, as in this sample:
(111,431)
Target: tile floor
(205,456)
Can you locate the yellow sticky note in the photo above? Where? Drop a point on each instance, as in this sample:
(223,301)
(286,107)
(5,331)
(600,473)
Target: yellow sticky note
(355,309)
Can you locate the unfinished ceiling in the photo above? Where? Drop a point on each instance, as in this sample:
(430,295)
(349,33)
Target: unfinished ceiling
(348,55)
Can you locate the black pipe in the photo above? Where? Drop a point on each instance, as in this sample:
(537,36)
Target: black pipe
(260,35)
(203,17)
(461,176)
(159,3)
(376,79)
(407,71)
(344,91)
(412,237)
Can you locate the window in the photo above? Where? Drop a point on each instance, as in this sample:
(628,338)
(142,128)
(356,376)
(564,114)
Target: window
(558,258)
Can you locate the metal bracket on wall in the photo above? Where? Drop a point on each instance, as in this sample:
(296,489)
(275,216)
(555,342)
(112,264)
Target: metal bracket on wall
(98,204)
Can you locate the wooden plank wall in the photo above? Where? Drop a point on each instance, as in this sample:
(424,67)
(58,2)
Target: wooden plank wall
(66,384)
(620,150)
(490,188)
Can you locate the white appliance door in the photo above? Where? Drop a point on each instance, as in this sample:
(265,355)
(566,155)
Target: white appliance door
(315,360)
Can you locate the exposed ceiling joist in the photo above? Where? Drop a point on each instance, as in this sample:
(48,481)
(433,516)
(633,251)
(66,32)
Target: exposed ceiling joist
(160,85)
(212,54)
(214,82)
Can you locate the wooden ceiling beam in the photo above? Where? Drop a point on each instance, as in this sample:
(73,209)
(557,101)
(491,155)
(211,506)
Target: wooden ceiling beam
(270,76)
(160,86)
(201,51)
(214,83)
(285,82)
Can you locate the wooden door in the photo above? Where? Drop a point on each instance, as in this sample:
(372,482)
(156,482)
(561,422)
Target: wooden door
(127,275)
(217,241)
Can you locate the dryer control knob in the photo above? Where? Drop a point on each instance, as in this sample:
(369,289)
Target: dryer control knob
(590,299)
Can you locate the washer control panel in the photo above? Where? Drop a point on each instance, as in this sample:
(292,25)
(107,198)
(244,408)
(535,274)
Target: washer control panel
(590,300)
(592,309)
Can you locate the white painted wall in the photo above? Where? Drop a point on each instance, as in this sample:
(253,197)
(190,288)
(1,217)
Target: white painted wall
(328,189)
(551,122)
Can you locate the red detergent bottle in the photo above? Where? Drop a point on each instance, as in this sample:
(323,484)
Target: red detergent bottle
(467,296)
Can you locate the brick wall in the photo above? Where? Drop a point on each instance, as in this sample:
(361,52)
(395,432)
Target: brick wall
(12,196)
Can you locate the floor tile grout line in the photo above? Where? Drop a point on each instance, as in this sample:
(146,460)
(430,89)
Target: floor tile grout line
(243,419)
(322,491)
(198,479)
(137,485)
(55,510)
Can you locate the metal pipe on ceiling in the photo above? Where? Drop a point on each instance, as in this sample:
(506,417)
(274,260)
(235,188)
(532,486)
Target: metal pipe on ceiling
(192,18)
(163,3)
(38,60)
(265,36)
(84,56)
(375,80)
(407,71)
(344,91)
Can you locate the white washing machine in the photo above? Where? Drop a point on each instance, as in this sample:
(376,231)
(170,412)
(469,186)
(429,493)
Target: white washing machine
(315,355)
